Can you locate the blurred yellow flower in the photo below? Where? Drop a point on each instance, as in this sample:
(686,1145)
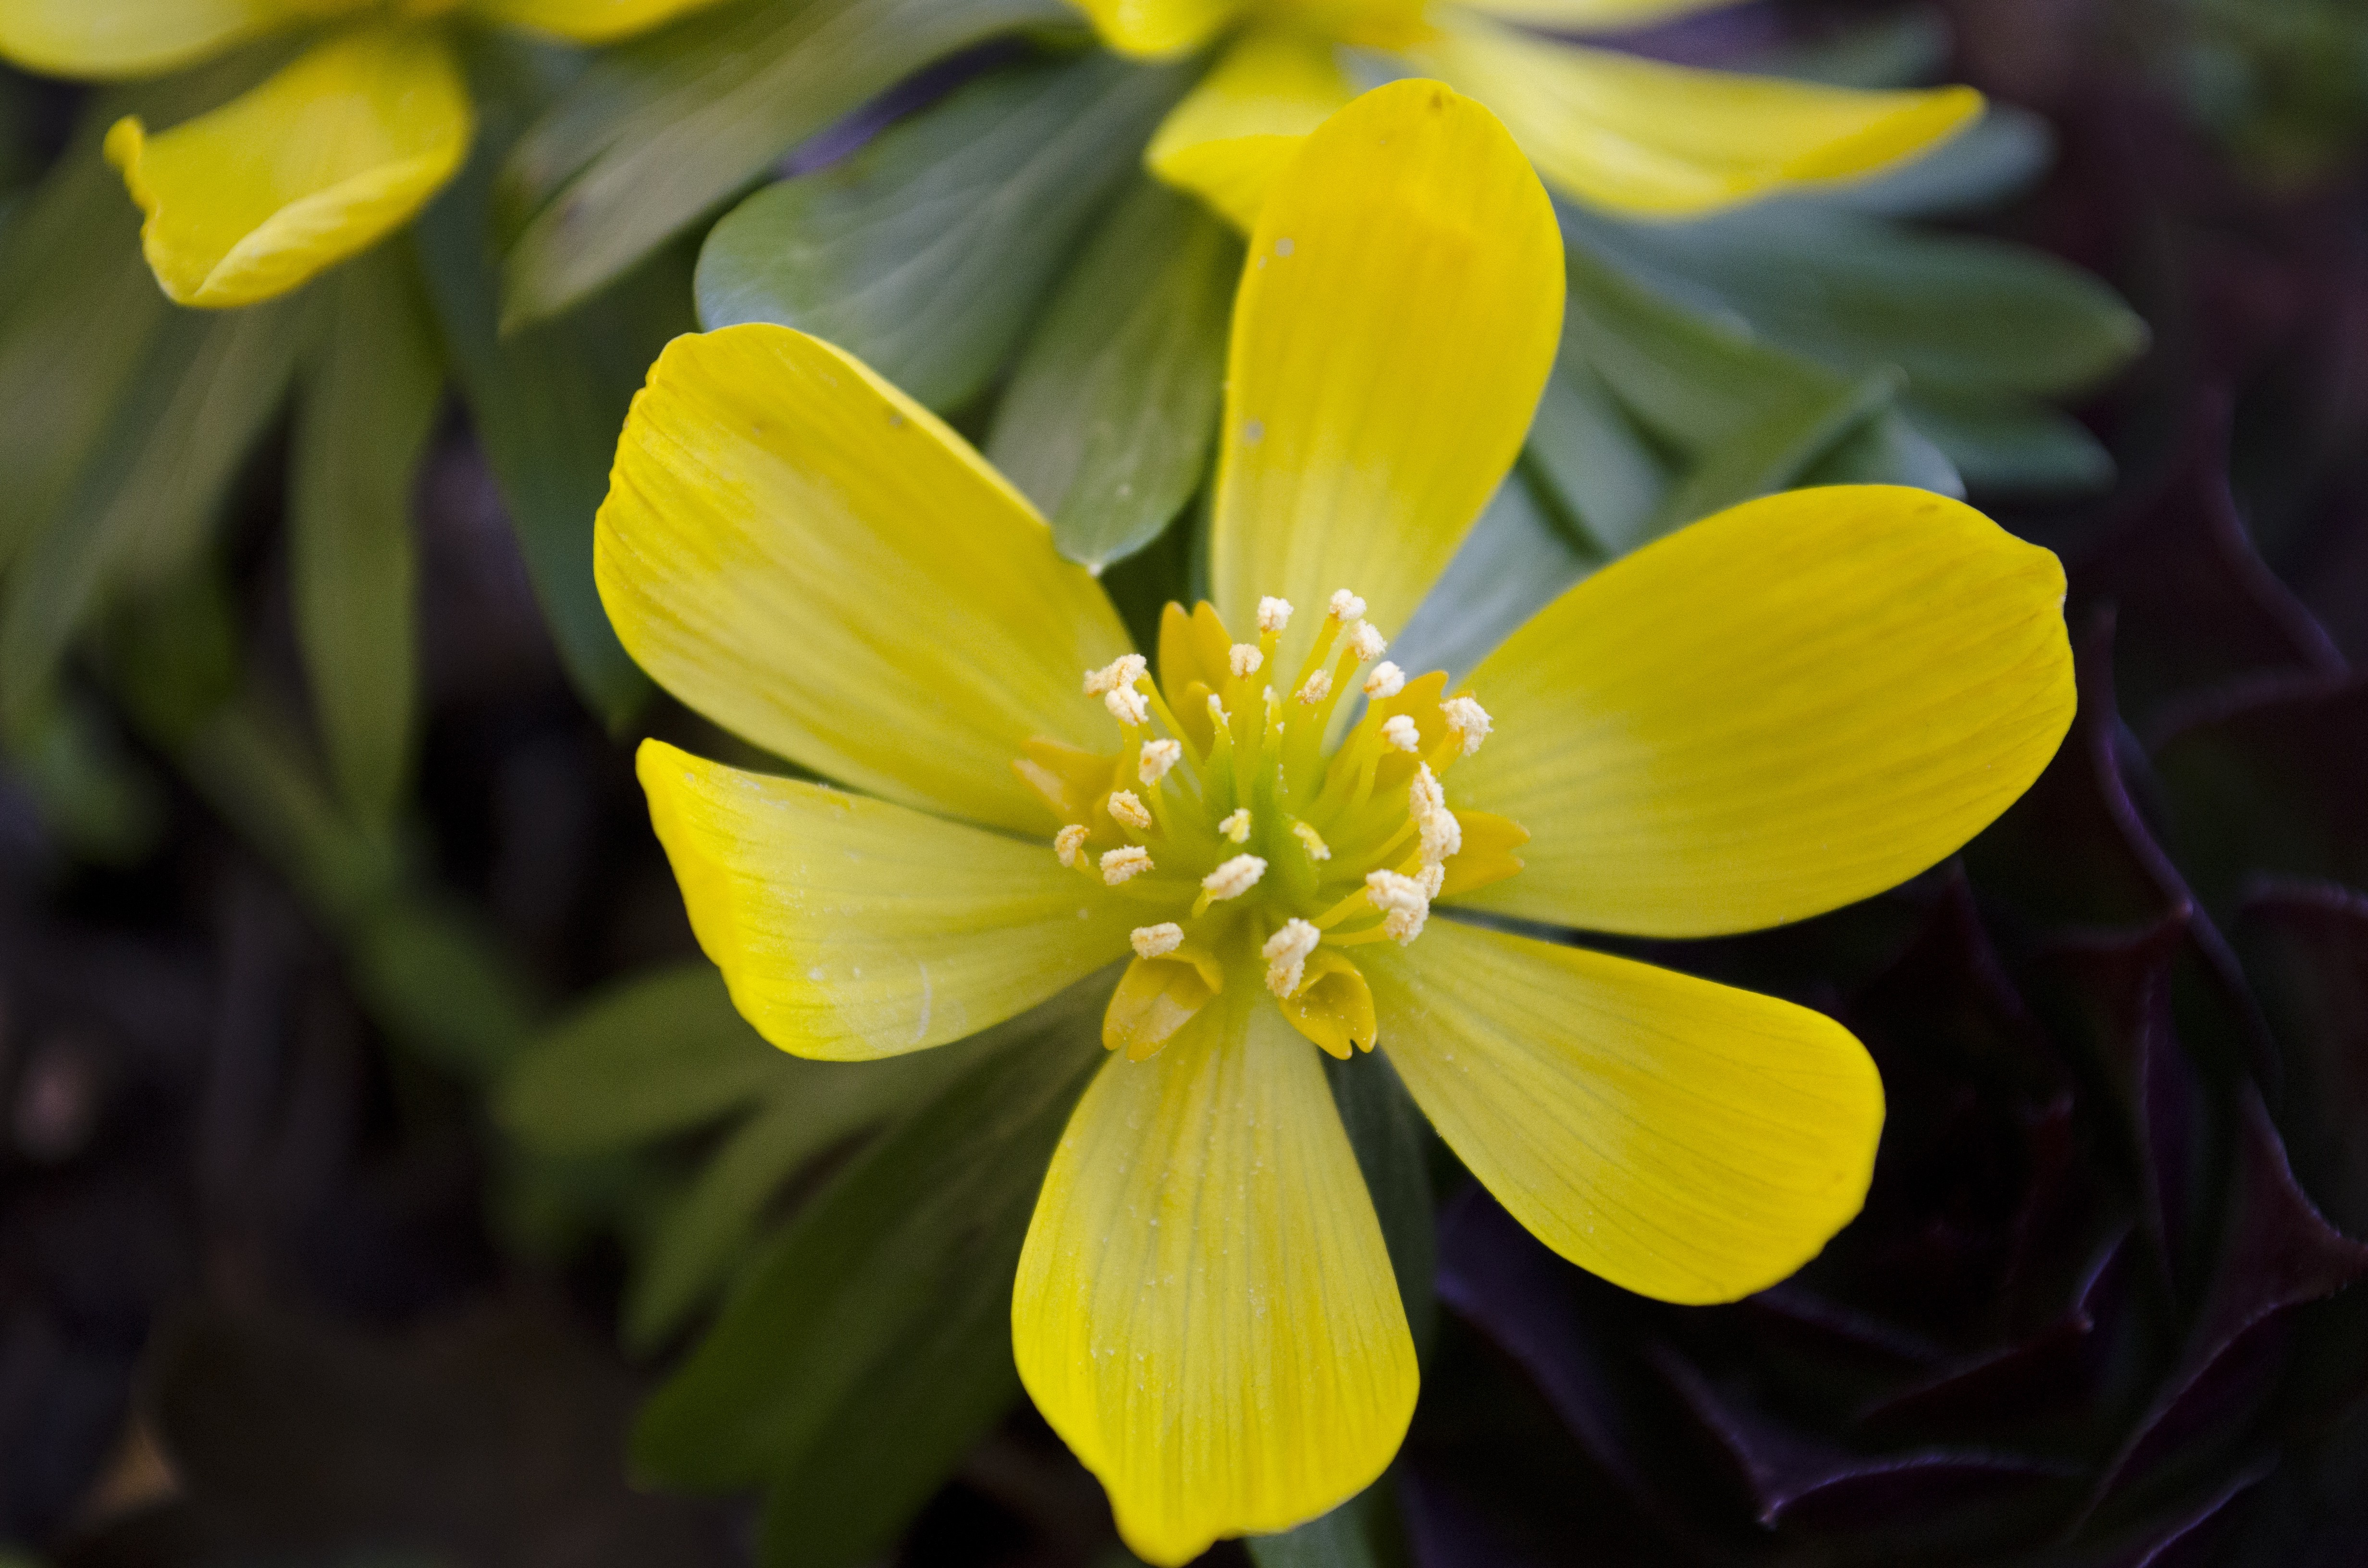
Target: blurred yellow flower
(1612,130)
(1775,711)
(335,150)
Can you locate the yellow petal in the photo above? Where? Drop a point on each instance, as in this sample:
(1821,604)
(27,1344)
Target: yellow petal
(1156,997)
(114,40)
(1204,1311)
(1396,321)
(313,166)
(588,21)
(1638,135)
(1332,1007)
(849,928)
(1776,712)
(1580,16)
(811,558)
(1147,28)
(1232,133)
(1683,1140)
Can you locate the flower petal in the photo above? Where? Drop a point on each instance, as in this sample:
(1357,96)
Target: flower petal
(1205,1310)
(1148,28)
(311,168)
(1232,133)
(588,21)
(1638,135)
(122,39)
(1396,325)
(1685,1141)
(1776,712)
(849,928)
(1578,16)
(811,558)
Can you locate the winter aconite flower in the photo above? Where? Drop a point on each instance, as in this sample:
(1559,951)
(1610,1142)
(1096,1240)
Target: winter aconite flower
(338,148)
(1778,710)
(1608,129)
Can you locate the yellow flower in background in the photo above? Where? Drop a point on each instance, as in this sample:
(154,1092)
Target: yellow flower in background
(1778,710)
(335,150)
(1616,132)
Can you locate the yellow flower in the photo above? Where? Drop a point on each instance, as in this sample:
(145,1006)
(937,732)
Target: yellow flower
(1776,712)
(335,150)
(1612,130)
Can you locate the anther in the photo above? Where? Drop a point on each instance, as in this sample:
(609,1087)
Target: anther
(1273,615)
(1237,826)
(1468,720)
(1156,941)
(1424,794)
(1442,835)
(1346,607)
(1070,843)
(1319,687)
(1217,714)
(1117,676)
(1246,659)
(1404,904)
(1286,956)
(1231,879)
(1128,809)
(1317,848)
(1431,877)
(1156,759)
(1365,641)
(1398,733)
(1118,864)
(1386,681)
(1127,706)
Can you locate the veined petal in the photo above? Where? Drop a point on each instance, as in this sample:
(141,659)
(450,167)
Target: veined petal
(1234,132)
(1150,27)
(313,166)
(1637,135)
(1396,325)
(588,21)
(1581,15)
(1205,1310)
(849,928)
(1776,712)
(811,558)
(1685,1141)
(116,39)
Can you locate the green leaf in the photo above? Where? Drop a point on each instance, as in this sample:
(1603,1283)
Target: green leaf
(1108,421)
(371,393)
(2012,446)
(1363,1532)
(95,799)
(1775,452)
(1516,561)
(664,130)
(1387,1130)
(656,1054)
(871,1347)
(926,255)
(430,972)
(1590,457)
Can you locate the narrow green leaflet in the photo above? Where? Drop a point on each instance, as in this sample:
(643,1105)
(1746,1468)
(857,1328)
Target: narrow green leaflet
(927,254)
(1108,420)
(2012,444)
(1779,449)
(869,1348)
(665,130)
(372,388)
(1590,456)
(1516,559)
(1341,1539)
(1387,1131)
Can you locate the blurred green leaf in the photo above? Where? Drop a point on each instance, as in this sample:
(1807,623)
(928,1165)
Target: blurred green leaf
(1341,1539)
(1775,451)
(1387,1130)
(927,254)
(2008,446)
(1108,421)
(1516,561)
(871,1347)
(431,972)
(372,389)
(1589,456)
(95,800)
(664,130)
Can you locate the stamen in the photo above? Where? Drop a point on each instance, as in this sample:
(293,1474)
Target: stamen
(1069,844)
(1118,864)
(1432,877)
(1127,705)
(1346,607)
(1237,826)
(1156,941)
(1273,615)
(1442,835)
(1232,879)
(1317,848)
(1286,956)
(1246,659)
(1424,794)
(1127,808)
(1217,714)
(1400,734)
(1365,641)
(1386,681)
(1117,676)
(1404,904)
(1156,759)
(1468,720)
(1319,687)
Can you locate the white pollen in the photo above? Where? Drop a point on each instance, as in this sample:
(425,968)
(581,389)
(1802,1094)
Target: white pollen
(1345,607)
(1118,864)
(1234,877)
(1246,660)
(1156,941)
(1127,706)
(1404,901)
(1399,734)
(1273,614)
(1070,843)
(1237,826)
(1129,810)
(1118,674)
(1365,641)
(1286,956)
(1442,835)
(1424,794)
(1217,714)
(1319,687)
(1157,757)
(1431,877)
(1317,848)
(1468,720)
(1386,681)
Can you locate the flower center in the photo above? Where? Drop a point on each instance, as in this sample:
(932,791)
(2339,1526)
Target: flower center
(1261,852)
